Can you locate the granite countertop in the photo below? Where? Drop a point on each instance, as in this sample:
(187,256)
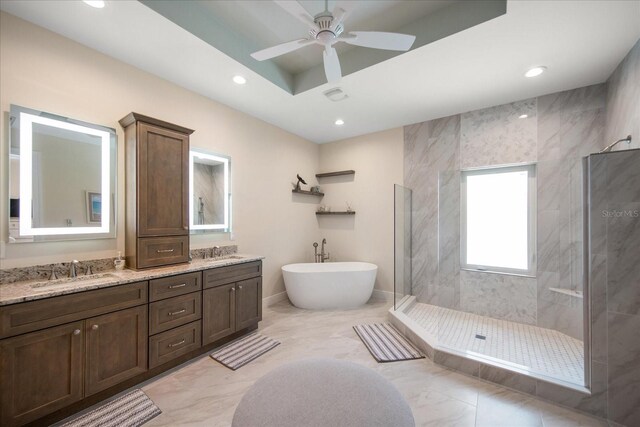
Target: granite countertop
(17,292)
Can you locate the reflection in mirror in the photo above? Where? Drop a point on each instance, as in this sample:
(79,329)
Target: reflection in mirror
(62,178)
(210,197)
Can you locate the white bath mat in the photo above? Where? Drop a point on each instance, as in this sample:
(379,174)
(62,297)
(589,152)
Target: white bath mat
(386,344)
(240,352)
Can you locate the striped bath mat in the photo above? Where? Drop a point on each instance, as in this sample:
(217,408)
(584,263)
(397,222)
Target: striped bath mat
(385,343)
(243,351)
(130,410)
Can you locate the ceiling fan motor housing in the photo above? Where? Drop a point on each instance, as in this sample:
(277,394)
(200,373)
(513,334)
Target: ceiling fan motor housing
(325,32)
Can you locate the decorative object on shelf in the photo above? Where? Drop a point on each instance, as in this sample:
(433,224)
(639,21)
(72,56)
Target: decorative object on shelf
(300,180)
(349,208)
(322,208)
(315,189)
(328,174)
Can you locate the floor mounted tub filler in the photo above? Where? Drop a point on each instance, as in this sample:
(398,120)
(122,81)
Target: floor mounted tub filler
(329,285)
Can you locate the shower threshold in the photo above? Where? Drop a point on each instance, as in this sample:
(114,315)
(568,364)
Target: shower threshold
(492,349)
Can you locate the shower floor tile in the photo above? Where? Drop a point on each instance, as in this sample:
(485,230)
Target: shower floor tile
(539,350)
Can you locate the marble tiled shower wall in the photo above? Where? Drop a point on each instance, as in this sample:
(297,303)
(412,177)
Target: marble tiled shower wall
(558,131)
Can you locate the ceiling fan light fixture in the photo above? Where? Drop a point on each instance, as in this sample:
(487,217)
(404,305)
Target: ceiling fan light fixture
(339,122)
(535,71)
(98,4)
(239,80)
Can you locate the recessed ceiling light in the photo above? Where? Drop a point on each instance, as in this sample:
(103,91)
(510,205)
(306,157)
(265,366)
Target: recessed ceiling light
(535,71)
(339,122)
(524,116)
(239,80)
(98,4)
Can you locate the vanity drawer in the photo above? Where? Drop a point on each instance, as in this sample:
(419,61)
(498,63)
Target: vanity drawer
(157,251)
(30,316)
(233,273)
(176,311)
(176,342)
(168,287)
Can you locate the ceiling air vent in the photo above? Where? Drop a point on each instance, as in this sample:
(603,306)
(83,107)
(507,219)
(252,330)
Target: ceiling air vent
(336,94)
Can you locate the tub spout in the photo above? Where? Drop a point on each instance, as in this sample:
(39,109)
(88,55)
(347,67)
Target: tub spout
(323,257)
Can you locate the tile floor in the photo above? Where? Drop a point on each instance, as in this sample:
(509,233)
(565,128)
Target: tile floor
(204,393)
(543,351)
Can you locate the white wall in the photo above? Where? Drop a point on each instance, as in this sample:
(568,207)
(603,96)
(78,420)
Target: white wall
(368,235)
(42,70)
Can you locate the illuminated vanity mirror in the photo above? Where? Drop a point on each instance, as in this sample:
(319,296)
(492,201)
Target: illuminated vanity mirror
(62,178)
(209,191)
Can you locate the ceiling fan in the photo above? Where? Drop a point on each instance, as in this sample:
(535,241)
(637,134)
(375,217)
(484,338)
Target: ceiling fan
(326,29)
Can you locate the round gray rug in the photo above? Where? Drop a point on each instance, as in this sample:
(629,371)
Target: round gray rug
(323,392)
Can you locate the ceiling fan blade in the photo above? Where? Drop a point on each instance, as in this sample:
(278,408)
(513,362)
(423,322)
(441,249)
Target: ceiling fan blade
(331,65)
(294,8)
(341,9)
(339,15)
(281,49)
(379,40)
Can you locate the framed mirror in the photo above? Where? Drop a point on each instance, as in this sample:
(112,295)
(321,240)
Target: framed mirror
(209,191)
(62,178)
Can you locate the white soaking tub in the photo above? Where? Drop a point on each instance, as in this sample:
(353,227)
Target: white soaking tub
(329,285)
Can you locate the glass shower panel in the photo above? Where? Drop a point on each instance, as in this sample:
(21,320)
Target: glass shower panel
(402,245)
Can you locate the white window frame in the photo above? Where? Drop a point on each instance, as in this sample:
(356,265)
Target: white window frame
(530,168)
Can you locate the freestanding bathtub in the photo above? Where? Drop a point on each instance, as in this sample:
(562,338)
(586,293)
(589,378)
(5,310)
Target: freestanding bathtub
(329,285)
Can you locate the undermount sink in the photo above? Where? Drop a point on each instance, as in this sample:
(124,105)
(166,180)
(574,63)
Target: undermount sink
(70,280)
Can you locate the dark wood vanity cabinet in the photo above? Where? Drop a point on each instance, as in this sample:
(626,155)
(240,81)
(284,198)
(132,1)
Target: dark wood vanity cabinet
(157,192)
(40,372)
(77,349)
(116,348)
(248,302)
(219,313)
(56,354)
(231,301)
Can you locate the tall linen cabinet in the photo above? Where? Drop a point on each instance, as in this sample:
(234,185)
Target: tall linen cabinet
(157,192)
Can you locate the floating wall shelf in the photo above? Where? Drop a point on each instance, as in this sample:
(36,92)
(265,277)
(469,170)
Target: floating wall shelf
(310,193)
(328,174)
(336,213)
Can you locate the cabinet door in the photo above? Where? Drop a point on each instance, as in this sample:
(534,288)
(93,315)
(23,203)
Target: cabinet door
(40,372)
(218,313)
(248,302)
(116,348)
(163,182)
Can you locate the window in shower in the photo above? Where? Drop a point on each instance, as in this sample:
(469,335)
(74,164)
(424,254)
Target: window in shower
(498,215)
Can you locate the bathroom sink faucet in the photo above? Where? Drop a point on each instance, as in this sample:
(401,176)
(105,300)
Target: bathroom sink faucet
(73,268)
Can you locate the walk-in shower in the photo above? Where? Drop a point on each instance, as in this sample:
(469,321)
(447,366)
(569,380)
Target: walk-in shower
(542,323)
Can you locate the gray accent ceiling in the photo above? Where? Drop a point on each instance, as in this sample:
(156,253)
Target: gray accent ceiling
(202,20)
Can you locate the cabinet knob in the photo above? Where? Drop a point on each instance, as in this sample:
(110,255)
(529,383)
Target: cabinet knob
(76,332)
(94,327)
(239,286)
(233,289)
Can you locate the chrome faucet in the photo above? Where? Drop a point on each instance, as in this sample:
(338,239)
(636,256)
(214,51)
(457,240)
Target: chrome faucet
(214,250)
(73,268)
(323,257)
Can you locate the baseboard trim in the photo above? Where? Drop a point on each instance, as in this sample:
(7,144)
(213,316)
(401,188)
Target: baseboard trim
(379,295)
(274,299)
